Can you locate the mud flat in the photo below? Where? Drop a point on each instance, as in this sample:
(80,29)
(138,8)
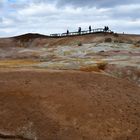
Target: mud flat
(64,105)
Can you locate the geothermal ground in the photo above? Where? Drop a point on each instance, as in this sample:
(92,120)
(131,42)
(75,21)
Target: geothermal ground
(72,88)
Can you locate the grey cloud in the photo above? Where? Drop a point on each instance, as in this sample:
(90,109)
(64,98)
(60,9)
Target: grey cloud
(52,16)
(1,4)
(97,3)
(81,3)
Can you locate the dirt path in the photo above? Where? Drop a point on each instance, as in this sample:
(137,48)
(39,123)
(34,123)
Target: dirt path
(67,105)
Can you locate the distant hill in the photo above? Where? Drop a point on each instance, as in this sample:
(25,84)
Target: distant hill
(26,37)
(39,40)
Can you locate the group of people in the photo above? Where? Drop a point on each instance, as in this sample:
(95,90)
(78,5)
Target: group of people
(106,28)
(79,30)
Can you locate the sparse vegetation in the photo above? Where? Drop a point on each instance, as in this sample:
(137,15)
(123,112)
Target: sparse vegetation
(90,69)
(79,43)
(136,45)
(116,41)
(95,68)
(138,42)
(108,40)
(130,42)
(116,35)
(102,65)
(120,41)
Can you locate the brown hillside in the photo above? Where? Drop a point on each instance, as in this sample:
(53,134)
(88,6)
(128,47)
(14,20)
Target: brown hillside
(67,105)
(35,40)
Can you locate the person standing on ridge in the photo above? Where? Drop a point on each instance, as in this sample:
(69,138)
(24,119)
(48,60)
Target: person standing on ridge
(90,29)
(79,30)
(67,32)
(105,28)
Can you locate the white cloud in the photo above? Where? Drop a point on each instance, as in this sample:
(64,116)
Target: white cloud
(46,17)
(38,9)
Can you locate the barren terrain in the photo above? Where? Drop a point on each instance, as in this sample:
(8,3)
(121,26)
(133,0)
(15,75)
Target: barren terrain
(72,88)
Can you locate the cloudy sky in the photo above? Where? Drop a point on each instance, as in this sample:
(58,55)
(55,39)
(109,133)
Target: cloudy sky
(54,16)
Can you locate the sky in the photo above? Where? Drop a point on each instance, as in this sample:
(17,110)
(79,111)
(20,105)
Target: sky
(56,16)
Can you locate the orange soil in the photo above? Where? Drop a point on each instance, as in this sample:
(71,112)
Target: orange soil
(68,105)
(17,62)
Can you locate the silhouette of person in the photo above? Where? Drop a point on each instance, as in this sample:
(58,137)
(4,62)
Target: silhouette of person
(67,32)
(79,30)
(89,28)
(107,28)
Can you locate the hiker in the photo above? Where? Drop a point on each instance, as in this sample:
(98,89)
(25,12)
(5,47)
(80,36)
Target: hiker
(67,32)
(105,28)
(89,28)
(79,30)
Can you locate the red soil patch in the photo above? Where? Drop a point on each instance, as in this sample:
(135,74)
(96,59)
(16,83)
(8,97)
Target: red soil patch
(68,105)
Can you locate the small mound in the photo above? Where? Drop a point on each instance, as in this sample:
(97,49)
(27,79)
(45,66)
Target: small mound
(27,37)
